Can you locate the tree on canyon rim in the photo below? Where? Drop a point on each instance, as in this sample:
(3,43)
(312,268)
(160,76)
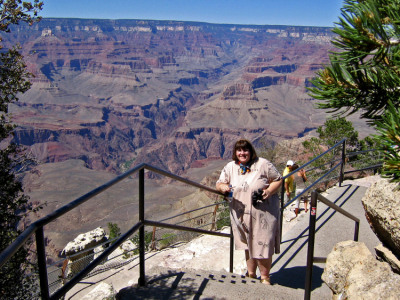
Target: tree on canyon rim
(14,79)
(364,73)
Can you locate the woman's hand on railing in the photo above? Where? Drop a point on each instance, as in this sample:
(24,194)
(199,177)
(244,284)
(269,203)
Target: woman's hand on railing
(223,187)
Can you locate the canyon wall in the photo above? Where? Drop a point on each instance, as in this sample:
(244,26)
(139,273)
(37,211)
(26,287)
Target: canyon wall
(115,93)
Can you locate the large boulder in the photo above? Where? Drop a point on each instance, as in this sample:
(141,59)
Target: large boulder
(85,241)
(76,250)
(352,272)
(381,203)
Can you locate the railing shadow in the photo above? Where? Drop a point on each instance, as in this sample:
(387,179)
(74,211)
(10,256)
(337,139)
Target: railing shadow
(91,283)
(176,284)
(297,275)
(160,288)
(303,233)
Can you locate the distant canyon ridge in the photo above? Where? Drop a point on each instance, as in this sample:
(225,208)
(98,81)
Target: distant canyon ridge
(115,93)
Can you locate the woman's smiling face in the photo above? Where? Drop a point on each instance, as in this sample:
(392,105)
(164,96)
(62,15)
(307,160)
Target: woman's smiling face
(243,155)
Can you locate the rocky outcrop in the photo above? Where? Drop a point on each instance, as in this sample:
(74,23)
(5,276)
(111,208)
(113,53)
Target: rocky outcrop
(352,272)
(238,91)
(75,250)
(381,203)
(85,241)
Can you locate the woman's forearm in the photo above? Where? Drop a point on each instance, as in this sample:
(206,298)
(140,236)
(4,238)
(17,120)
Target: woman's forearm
(274,186)
(271,189)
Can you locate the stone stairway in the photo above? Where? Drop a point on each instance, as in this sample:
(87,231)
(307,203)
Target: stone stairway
(288,269)
(199,284)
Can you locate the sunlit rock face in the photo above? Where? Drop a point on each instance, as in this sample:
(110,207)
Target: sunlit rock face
(352,272)
(381,203)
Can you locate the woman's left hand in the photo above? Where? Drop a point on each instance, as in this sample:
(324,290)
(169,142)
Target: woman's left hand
(266,194)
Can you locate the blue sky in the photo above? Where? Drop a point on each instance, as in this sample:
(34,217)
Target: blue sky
(256,12)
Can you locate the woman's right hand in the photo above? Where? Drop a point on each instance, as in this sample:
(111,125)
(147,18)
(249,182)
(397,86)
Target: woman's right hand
(224,188)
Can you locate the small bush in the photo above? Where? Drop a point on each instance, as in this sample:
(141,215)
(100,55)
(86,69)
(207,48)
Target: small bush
(223,217)
(147,241)
(166,240)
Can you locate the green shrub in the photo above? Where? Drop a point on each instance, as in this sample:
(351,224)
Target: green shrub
(223,218)
(114,230)
(147,241)
(167,239)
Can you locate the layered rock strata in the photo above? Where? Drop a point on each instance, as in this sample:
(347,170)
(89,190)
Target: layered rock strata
(114,93)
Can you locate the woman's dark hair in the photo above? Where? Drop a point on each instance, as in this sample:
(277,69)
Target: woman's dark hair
(244,144)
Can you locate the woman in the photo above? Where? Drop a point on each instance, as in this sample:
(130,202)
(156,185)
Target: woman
(255,227)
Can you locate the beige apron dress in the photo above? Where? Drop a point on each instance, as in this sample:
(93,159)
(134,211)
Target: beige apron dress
(255,229)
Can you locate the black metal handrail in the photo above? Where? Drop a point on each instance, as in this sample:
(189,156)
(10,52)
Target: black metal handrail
(334,164)
(342,144)
(311,236)
(36,229)
(348,155)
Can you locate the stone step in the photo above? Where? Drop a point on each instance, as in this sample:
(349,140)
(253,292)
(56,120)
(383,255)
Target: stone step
(199,284)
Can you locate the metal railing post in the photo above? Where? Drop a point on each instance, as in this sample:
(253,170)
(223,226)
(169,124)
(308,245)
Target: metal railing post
(231,245)
(282,204)
(153,238)
(311,240)
(341,175)
(41,256)
(142,276)
(356,231)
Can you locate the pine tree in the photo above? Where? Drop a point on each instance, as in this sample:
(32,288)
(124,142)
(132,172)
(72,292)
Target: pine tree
(332,132)
(13,80)
(364,72)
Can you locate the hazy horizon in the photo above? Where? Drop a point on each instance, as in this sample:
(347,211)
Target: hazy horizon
(257,12)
